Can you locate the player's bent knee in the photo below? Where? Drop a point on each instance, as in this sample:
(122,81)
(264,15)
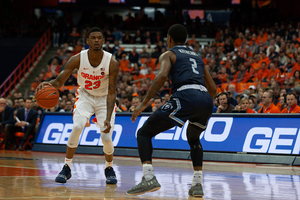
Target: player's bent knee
(143,131)
(72,144)
(108,146)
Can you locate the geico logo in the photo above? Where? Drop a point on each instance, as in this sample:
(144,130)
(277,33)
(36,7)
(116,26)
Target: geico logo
(263,140)
(223,127)
(171,134)
(58,133)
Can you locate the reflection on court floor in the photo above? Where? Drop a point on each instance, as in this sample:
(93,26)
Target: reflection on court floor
(30,175)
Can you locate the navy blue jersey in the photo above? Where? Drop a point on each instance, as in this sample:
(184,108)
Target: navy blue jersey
(188,68)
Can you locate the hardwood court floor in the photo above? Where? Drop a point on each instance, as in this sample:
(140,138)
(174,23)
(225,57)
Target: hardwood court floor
(30,175)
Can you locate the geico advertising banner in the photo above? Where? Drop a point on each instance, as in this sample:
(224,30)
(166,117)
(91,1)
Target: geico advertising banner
(266,134)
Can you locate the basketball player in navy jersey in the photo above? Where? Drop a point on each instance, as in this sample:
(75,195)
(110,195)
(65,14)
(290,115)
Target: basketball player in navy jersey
(97,77)
(193,91)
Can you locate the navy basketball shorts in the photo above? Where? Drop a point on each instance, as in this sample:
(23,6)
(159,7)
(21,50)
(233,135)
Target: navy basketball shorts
(190,104)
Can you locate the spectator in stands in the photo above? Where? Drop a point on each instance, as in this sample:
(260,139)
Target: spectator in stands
(144,53)
(166,97)
(136,101)
(119,54)
(251,104)
(255,98)
(149,49)
(6,117)
(34,85)
(73,37)
(138,38)
(126,101)
(69,106)
(72,81)
(27,120)
(134,56)
(109,37)
(107,47)
(272,53)
(37,108)
(296,91)
(150,74)
(228,47)
(244,105)
(124,63)
(238,42)
(268,105)
(54,66)
(55,24)
(242,75)
(262,74)
(16,104)
(116,47)
(158,37)
(282,104)
(273,72)
(252,89)
(56,108)
(127,39)
(277,63)
(21,103)
(78,47)
(231,89)
(156,52)
(215,78)
(224,105)
(286,86)
(117,33)
(70,96)
(291,101)
(147,38)
(41,77)
(231,100)
(282,58)
(150,63)
(53,75)
(157,103)
(297,75)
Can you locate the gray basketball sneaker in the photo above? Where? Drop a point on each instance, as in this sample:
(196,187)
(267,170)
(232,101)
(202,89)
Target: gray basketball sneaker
(196,191)
(144,186)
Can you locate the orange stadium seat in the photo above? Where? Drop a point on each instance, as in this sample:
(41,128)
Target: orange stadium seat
(224,87)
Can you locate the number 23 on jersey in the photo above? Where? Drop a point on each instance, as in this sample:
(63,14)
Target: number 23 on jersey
(89,85)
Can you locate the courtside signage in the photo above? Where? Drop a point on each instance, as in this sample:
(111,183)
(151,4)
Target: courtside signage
(224,133)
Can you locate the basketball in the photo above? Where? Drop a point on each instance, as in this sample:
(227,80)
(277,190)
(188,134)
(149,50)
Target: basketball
(47,97)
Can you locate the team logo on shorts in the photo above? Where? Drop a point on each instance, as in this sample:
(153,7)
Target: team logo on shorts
(167,106)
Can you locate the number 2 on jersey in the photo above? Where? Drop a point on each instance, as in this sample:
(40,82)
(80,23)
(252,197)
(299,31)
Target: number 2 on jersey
(194,65)
(89,85)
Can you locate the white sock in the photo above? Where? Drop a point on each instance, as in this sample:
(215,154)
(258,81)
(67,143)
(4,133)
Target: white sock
(108,164)
(197,178)
(148,171)
(68,162)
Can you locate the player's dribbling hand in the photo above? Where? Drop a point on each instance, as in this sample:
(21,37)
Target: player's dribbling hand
(137,111)
(106,126)
(41,86)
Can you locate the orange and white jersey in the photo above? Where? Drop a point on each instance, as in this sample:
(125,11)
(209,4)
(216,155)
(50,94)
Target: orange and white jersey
(94,80)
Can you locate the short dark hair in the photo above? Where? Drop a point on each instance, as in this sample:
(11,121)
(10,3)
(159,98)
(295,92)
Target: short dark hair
(28,98)
(157,97)
(94,29)
(178,33)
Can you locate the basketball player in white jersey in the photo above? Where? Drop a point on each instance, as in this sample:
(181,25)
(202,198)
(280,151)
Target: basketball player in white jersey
(97,77)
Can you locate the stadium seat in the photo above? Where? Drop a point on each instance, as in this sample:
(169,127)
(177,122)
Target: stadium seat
(224,87)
